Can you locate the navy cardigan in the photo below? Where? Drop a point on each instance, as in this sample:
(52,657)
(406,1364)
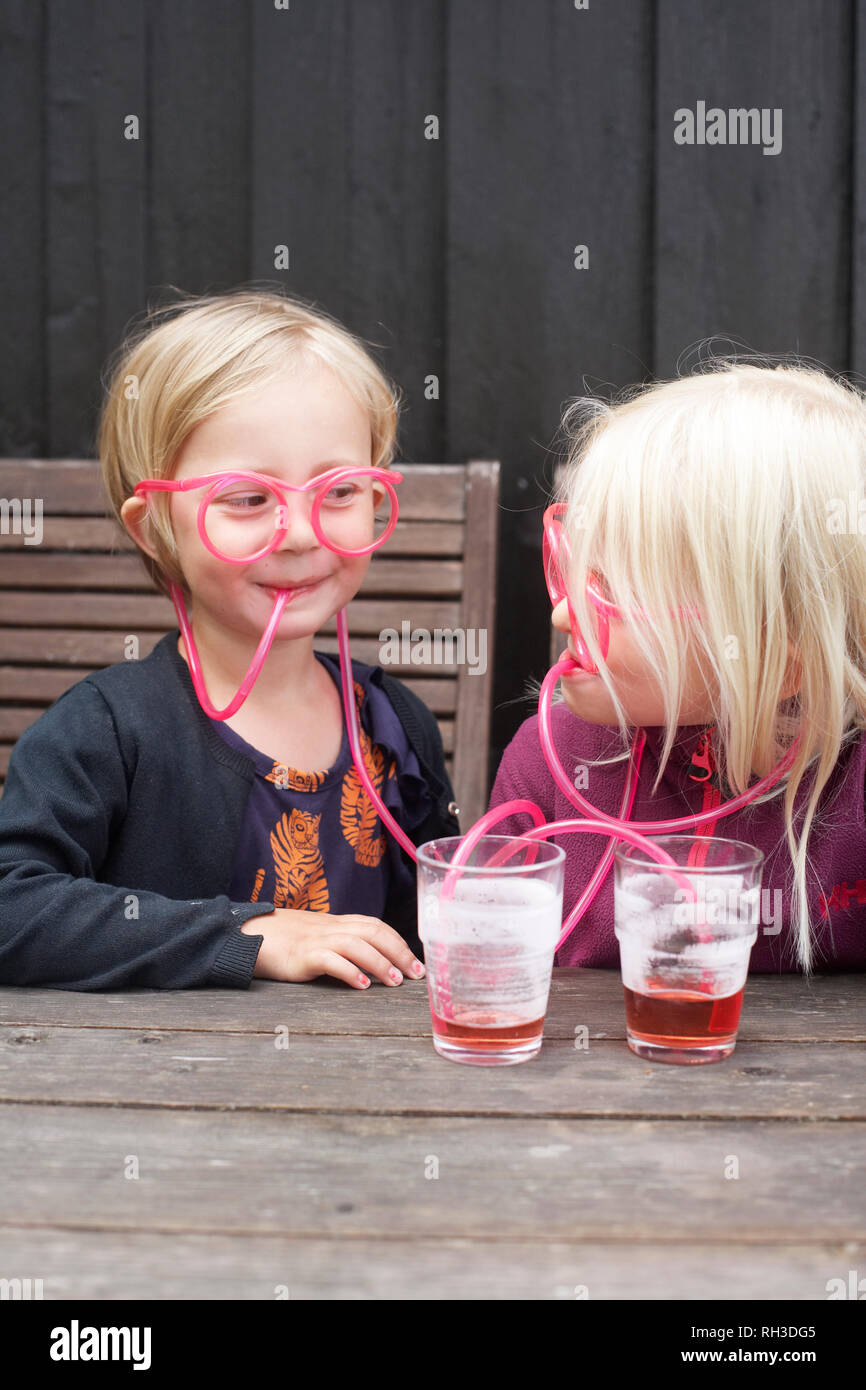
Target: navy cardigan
(118,827)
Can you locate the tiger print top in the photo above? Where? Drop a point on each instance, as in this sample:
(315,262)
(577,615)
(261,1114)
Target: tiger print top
(313,840)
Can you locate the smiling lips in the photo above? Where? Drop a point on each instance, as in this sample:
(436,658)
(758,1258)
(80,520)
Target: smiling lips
(292,588)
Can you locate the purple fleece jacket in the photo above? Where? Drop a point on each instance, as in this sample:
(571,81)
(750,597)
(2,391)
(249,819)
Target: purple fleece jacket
(836,865)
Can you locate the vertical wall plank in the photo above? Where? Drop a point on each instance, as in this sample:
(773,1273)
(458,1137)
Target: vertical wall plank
(857,345)
(549,146)
(94,230)
(22,156)
(343,175)
(199,131)
(752,245)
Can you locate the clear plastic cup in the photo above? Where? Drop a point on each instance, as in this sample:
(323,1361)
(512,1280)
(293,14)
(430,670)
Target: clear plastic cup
(489,933)
(684,963)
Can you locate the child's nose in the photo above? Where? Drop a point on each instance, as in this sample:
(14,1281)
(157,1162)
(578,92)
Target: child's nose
(559,617)
(298,521)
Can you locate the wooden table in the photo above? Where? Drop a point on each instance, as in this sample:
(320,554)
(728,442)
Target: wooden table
(306,1141)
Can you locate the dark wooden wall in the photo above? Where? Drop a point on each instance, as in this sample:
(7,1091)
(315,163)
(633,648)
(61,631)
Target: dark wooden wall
(262,126)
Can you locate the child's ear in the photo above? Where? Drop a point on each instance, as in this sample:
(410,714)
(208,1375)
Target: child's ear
(133,514)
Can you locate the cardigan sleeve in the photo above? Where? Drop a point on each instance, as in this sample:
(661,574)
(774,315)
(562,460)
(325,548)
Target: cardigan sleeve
(60,926)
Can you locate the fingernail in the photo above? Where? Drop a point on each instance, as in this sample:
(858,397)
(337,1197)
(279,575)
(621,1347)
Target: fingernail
(395,976)
(364,981)
(417,967)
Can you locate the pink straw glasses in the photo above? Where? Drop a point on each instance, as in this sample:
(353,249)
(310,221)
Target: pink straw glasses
(236,540)
(244,516)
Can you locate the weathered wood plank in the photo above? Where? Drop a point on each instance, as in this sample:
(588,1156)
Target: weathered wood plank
(475,680)
(108,1265)
(428,492)
(135,612)
(359,1175)
(46,683)
(38,683)
(35,569)
(54,646)
(142,612)
(14,719)
(406,1076)
(828,1008)
(94,649)
(91,533)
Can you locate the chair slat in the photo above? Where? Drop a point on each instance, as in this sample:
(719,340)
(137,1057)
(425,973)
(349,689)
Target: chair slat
(151,612)
(37,570)
(59,647)
(74,487)
(42,685)
(82,534)
(14,719)
(474,685)
(38,684)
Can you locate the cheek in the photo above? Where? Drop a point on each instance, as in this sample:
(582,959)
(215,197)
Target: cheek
(201,569)
(190,547)
(624,659)
(351,572)
(204,573)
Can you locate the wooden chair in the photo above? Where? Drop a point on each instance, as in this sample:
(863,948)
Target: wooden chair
(69,602)
(558,640)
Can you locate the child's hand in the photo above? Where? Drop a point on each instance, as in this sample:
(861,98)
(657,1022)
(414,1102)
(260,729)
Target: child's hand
(301,945)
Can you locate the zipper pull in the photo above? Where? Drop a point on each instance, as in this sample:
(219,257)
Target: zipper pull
(703,764)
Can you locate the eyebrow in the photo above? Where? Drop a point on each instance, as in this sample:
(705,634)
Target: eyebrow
(336,463)
(239,467)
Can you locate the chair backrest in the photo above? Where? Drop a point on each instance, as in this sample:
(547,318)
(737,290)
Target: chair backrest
(69,603)
(558,640)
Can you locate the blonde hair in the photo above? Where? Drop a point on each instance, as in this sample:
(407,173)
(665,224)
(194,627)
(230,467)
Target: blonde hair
(185,359)
(719,490)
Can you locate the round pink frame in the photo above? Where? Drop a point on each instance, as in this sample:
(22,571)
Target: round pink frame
(320,484)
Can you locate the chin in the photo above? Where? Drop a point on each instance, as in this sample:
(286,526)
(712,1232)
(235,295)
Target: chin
(588,706)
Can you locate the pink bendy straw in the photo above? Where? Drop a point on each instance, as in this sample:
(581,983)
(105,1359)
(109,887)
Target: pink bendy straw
(598,822)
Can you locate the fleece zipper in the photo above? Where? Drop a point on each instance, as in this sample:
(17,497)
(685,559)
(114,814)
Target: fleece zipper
(704,770)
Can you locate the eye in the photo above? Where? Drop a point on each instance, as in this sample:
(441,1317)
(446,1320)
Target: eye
(245,501)
(341,493)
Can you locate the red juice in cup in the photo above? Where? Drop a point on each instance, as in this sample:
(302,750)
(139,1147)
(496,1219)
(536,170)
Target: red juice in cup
(489,941)
(682,1018)
(685,956)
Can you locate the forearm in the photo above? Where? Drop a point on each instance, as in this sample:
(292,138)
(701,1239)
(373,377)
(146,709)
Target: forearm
(80,934)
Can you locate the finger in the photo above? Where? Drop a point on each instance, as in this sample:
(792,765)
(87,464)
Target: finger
(391,944)
(340,967)
(367,957)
